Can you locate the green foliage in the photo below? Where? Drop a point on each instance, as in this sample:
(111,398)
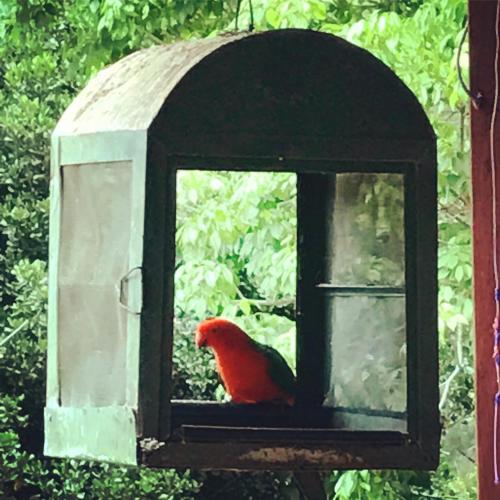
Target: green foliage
(77,480)
(235,237)
(248,486)
(364,485)
(236,252)
(193,372)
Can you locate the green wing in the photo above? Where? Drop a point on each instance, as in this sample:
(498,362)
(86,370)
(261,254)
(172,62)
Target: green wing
(278,368)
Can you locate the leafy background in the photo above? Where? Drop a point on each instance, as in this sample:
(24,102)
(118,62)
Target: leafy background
(48,51)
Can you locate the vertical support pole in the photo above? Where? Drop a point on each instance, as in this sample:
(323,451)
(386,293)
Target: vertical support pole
(310,484)
(482,55)
(311,349)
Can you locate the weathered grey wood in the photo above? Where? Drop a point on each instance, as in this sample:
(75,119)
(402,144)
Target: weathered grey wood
(136,257)
(99,147)
(128,94)
(53,385)
(105,433)
(230,455)
(286,100)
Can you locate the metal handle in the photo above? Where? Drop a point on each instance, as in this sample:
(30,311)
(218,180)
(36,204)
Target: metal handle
(120,286)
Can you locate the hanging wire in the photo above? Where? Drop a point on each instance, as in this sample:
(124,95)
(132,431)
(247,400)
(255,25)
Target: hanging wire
(494,231)
(251,26)
(475,98)
(237,15)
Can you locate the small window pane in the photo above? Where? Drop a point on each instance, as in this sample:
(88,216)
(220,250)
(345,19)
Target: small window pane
(367,339)
(366,231)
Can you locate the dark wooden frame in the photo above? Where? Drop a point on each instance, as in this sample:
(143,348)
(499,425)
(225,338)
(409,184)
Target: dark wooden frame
(208,435)
(482,19)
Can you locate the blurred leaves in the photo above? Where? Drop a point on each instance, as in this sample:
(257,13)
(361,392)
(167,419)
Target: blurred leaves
(236,252)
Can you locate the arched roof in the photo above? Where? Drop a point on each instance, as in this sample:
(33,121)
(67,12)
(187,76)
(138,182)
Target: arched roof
(128,94)
(298,82)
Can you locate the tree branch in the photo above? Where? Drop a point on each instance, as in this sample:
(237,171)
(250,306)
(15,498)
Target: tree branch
(446,385)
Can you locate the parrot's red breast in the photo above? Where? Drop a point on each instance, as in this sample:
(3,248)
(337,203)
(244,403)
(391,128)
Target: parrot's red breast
(251,372)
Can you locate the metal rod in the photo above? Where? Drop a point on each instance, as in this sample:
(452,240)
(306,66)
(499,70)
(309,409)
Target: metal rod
(382,291)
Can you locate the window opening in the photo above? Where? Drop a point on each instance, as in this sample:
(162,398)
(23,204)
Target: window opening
(235,258)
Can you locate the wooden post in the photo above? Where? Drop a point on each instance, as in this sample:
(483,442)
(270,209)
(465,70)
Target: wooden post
(310,484)
(482,15)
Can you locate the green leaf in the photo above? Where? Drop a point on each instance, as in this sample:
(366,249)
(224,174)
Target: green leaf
(245,307)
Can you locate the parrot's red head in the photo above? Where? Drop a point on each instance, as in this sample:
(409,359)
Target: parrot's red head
(216,332)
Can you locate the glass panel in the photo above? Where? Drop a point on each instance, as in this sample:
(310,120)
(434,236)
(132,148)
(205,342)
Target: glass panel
(95,234)
(366,230)
(364,296)
(367,337)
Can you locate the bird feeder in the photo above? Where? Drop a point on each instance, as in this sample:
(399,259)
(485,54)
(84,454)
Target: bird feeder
(364,155)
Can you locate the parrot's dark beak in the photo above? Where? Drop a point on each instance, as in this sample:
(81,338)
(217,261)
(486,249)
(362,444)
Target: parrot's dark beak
(200,340)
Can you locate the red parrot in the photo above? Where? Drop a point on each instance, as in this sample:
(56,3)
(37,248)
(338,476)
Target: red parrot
(251,372)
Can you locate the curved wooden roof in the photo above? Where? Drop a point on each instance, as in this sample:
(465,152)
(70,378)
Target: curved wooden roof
(128,94)
(291,82)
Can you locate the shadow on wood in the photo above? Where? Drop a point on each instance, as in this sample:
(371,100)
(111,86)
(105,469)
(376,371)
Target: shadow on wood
(310,484)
